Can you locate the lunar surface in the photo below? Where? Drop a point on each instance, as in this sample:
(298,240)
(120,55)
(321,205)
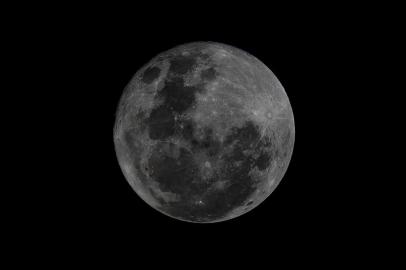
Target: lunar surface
(204,132)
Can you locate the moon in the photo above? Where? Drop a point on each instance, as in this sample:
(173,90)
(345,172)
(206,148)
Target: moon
(204,132)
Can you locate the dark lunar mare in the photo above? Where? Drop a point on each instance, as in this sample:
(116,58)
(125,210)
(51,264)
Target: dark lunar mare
(180,65)
(174,174)
(209,74)
(177,98)
(150,74)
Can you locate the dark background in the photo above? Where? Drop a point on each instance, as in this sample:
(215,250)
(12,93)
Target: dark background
(86,58)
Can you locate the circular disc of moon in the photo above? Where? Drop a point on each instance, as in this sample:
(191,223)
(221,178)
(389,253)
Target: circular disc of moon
(204,132)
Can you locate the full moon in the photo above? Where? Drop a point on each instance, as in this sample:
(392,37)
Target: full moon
(204,132)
